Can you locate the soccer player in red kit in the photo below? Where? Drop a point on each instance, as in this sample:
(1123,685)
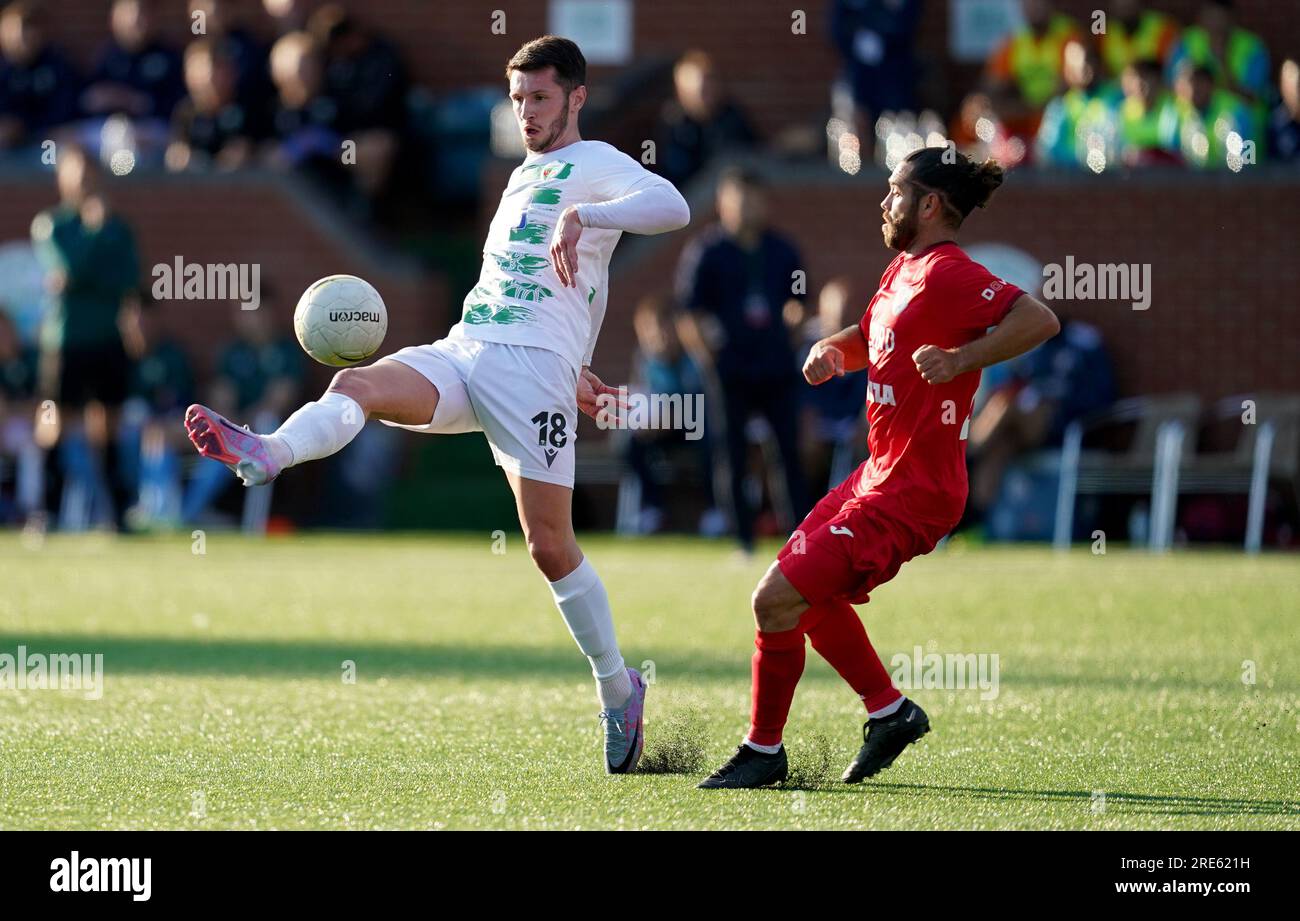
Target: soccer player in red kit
(923,340)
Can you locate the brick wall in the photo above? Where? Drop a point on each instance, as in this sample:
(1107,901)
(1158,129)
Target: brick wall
(1225,311)
(244,220)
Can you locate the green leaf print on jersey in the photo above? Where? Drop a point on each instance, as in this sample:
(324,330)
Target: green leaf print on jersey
(503,314)
(546,195)
(523,263)
(592,296)
(524,290)
(529,233)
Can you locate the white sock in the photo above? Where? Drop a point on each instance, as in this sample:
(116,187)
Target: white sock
(317,430)
(765,749)
(583,604)
(886,711)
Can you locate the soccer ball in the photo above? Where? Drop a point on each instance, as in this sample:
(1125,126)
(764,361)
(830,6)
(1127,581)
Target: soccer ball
(340,320)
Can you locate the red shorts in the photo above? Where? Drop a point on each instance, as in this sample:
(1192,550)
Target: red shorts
(849,544)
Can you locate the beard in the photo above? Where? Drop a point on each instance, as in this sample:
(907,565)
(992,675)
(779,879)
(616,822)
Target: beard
(900,234)
(553,131)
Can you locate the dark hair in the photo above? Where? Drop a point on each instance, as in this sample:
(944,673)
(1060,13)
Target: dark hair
(552,51)
(1150,68)
(962,183)
(742,177)
(330,23)
(219,50)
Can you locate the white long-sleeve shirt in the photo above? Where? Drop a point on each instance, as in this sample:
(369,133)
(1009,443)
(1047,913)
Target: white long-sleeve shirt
(519,298)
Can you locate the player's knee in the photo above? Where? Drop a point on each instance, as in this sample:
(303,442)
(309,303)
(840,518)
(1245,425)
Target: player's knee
(549,548)
(354,383)
(772,611)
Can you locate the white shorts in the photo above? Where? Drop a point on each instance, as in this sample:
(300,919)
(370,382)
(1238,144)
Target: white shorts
(523,398)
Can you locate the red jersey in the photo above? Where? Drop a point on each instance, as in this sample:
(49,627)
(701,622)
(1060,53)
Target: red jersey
(918,430)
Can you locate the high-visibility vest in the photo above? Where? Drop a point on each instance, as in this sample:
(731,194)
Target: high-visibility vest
(1203,136)
(1247,61)
(1153,39)
(1071,118)
(1154,128)
(1035,61)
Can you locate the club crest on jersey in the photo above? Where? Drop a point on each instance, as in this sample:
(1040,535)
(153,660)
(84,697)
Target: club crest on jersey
(557,169)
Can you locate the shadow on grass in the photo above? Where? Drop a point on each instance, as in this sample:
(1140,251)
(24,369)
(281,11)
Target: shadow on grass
(322,658)
(197,655)
(1116,802)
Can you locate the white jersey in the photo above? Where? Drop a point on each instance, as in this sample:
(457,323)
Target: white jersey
(519,299)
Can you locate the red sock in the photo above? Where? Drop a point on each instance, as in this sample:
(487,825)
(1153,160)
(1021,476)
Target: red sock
(838,636)
(778,664)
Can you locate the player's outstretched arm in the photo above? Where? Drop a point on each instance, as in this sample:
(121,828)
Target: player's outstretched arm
(1028,323)
(836,355)
(653,206)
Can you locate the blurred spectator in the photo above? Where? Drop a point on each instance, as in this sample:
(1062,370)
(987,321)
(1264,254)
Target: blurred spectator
(38,87)
(1207,116)
(252,80)
(260,371)
(700,122)
(1025,72)
(364,73)
(259,377)
(1284,128)
(212,127)
(735,280)
(1066,377)
(137,74)
(367,79)
(305,124)
(286,15)
(1084,111)
(152,435)
(835,421)
(1148,118)
(20,457)
(89,255)
(662,366)
(1237,58)
(160,377)
(1136,34)
(876,40)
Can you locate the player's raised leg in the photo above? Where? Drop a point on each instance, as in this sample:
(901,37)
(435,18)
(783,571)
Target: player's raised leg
(546,515)
(387,390)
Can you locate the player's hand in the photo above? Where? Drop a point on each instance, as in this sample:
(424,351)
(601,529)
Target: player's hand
(591,389)
(937,366)
(564,247)
(824,362)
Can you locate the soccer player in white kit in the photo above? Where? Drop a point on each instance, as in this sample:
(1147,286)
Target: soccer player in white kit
(516,366)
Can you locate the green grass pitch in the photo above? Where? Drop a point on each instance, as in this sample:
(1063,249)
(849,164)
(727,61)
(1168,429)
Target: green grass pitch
(1133,691)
